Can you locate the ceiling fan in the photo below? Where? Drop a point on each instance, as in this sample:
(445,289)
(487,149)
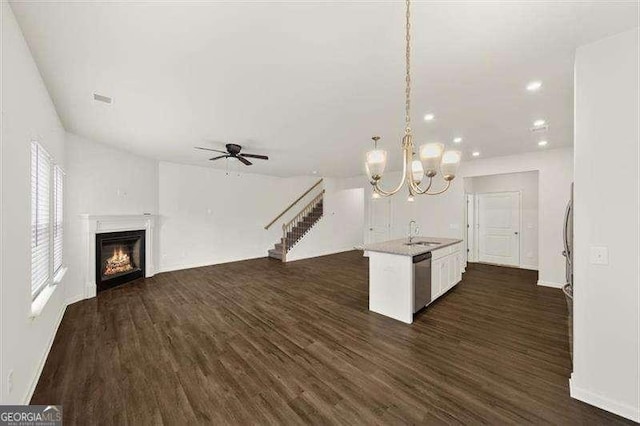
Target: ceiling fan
(233,151)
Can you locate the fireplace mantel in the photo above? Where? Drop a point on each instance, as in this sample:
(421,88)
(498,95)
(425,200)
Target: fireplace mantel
(98,224)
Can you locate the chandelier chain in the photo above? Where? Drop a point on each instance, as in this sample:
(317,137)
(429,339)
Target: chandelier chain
(407,117)
(434,160)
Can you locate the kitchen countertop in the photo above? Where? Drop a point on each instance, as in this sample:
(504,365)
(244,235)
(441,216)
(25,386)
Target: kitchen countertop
(399,247)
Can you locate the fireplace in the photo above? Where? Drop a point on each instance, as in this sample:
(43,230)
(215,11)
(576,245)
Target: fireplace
(120,258)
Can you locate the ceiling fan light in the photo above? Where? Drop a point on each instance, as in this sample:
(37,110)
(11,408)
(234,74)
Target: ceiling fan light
(430,155)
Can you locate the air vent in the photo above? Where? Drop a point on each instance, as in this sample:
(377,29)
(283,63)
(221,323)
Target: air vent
(102,98)
(539,128)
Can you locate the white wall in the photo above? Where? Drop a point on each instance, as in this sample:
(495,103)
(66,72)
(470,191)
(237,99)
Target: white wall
(206,215)
(606,214)
(340,228)
(527,184)
(102,180)
(209,217)
(27,114)
(443,215)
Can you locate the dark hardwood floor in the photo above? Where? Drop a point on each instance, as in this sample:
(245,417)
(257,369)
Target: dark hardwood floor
(261,342)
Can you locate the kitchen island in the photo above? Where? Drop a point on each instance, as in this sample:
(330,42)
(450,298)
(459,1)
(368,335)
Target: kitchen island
(406,276)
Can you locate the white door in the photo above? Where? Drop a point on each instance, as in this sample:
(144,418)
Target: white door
(379,220)
(499,228)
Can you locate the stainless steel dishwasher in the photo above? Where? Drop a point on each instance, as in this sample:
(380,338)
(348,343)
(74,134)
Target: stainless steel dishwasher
(421,281)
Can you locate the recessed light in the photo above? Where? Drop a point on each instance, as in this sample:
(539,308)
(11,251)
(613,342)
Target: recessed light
(476,153)
(542,143)
(429,117)
(534,86)
(315,172)
(457,140)
(539,123)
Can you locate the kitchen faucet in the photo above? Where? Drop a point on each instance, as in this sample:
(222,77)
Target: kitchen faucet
(411,223)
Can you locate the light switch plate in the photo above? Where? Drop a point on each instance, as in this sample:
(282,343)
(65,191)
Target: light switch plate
(599,255)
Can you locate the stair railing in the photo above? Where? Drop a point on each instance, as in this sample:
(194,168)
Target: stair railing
(293,204)
(291,228)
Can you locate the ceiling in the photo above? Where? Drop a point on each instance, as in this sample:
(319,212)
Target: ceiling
(308,83)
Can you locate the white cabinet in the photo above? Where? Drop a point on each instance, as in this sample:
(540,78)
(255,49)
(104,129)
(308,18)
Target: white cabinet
(436,273)
(446,269)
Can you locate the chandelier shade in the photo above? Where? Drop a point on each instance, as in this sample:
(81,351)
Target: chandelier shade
(450,163)
(430,155)
(417,171)
(376,162)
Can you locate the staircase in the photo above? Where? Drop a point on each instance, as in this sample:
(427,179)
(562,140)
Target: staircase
(299,226)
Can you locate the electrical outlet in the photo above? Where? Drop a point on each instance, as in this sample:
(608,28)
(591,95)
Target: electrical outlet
(10,381)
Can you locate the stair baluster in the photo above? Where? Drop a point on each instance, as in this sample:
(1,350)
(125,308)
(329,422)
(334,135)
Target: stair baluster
(294,230)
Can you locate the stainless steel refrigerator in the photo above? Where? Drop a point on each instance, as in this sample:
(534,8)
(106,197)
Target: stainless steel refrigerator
(567,235)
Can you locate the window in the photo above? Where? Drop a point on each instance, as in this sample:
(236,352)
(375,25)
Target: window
(40,219)
(47,181)
(58,194)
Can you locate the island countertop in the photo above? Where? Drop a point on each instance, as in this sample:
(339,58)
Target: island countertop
(401,248)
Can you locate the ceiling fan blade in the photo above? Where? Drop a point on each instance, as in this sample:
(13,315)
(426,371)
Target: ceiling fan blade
(210,149)
(218,157)
(244,160)
(260,157)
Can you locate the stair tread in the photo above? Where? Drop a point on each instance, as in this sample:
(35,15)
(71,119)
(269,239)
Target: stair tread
(275,254)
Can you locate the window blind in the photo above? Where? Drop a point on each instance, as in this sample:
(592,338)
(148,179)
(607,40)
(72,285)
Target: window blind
(40,219)
(58,197)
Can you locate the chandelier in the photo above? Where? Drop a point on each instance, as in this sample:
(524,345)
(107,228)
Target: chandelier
(433,157)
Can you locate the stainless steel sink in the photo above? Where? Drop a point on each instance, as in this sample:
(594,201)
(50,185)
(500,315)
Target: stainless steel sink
(423,243)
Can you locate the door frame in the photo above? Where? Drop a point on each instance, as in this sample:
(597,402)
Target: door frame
(476,233)
(470,228)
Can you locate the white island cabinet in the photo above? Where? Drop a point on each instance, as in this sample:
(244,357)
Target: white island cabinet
(394,283)
(446,269)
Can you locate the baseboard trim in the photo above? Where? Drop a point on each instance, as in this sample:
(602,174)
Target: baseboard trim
(202,264)
(518,266)
(550,284)
(624,410)
(27,399)
(74,299)
(529,267)
(319,254)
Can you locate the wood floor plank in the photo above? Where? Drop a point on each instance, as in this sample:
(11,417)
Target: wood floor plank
(262,342)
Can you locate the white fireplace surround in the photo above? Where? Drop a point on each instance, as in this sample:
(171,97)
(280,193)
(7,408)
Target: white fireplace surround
(99,224)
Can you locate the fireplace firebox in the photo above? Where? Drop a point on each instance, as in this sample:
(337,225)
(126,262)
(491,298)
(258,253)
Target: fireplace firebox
(120,258)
